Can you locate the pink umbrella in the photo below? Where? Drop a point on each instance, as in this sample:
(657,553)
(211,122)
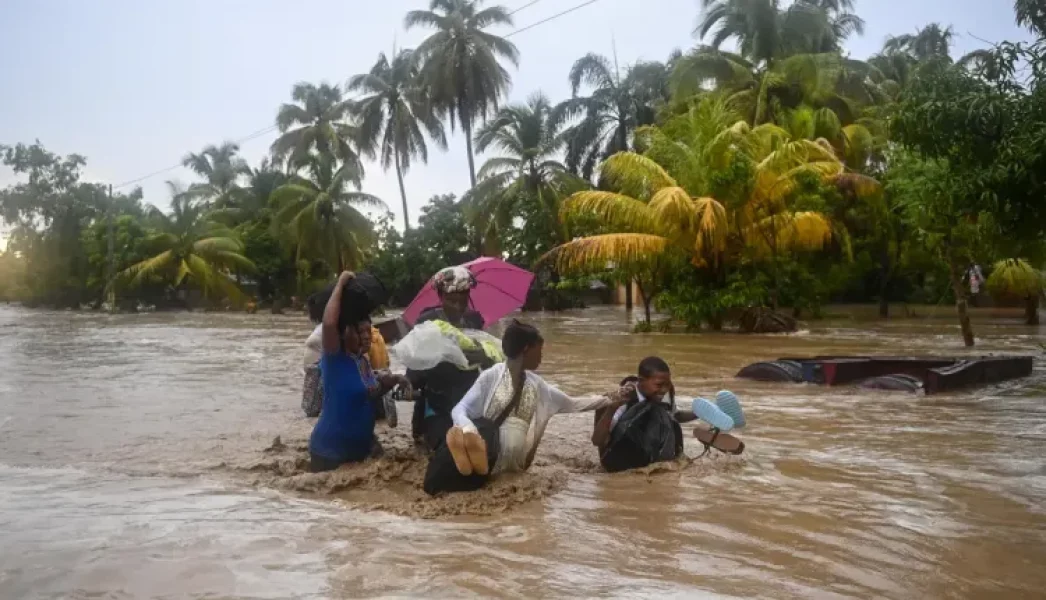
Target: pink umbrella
(500,289)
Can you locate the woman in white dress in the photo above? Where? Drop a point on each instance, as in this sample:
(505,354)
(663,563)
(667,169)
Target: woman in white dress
(499,422)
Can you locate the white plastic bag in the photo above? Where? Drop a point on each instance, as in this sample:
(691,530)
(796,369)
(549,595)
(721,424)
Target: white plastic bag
(427,346)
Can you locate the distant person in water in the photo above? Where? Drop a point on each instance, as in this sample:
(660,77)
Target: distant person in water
(312,389)
(499,423)
(439,389)
(345,430)
(642,424)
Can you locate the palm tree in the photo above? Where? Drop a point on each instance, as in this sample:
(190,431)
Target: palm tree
(319,213)
(653,214)
(253,200)
(460,62)
(319,120)
(221,169)
(930,42)
(190,248)
(529,138)
(393,113)
(613,110)
(765,33)
(1015,279)
(1031,14)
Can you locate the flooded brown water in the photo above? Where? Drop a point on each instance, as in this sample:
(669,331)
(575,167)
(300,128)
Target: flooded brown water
(136,461)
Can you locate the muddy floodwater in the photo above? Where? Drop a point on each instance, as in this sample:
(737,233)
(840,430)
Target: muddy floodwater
(138,459)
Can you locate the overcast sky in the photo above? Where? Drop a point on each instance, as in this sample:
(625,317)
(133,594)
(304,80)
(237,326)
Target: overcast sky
(133,85)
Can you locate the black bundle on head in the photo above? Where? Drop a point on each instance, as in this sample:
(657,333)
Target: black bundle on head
(518,337)
(363,295)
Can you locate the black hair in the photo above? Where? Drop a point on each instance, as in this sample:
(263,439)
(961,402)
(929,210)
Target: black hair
(518,337)
(315,304)
(651,365)
(629,379)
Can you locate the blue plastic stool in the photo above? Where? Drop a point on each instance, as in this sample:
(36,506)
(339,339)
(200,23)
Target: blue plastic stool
(711,414)
(731,405)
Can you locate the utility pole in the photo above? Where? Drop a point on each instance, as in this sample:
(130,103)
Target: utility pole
(111,262)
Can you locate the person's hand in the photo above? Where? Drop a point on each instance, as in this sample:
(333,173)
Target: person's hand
(475,356)
(389,381)
(345,277)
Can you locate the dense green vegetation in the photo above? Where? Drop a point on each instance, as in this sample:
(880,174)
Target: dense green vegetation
(778,174)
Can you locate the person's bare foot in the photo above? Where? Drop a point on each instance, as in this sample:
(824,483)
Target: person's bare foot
(456,445)
(476,449)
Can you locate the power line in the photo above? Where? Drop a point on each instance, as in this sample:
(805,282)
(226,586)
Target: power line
(271,128)
(527,5)
(552,18)
(246,138)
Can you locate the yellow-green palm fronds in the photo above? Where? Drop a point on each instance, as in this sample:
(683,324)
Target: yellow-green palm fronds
(601,252)
(788,232)
(1014,278)
(614,210)
(635,175)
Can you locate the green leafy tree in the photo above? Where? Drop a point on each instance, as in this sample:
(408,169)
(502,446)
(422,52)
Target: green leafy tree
(320,215)
(616,105)
(529,139)
(395,114)
(318,121)
(222,169)
(461,64)
(189,248)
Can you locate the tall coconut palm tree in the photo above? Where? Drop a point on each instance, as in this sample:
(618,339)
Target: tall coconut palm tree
(529,139)
(190,248)
(222,170)
(930,42)
(616,105)
(460,62)
(393,113)
(253,201)
(766,33)
(318,121)
(320,215)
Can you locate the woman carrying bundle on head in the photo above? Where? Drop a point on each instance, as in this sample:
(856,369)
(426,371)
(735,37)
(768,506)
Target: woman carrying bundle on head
(345,430)
(499,423)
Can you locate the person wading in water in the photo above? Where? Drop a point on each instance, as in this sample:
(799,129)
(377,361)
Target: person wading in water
(438,390)
(642,425)
(345,430)
(499,423)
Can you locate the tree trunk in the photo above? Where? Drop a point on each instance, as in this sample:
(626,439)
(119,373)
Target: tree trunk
(884,285)
(955,274)
(1031,310)
(646,298)
(403,192)
(628,295)
(466,125)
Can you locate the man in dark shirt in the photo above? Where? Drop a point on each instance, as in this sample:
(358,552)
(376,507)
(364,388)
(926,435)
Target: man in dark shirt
(439,389)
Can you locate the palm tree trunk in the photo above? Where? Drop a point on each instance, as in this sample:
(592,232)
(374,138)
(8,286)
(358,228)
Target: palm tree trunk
(955,274)
(466,125)
(403,192)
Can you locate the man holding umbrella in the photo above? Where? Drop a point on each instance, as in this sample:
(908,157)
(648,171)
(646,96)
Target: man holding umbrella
(468,296)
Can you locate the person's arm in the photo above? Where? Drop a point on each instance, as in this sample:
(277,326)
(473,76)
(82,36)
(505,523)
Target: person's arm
(331,315)
(472,403)
(563,403)
(684,416)
(605,424)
